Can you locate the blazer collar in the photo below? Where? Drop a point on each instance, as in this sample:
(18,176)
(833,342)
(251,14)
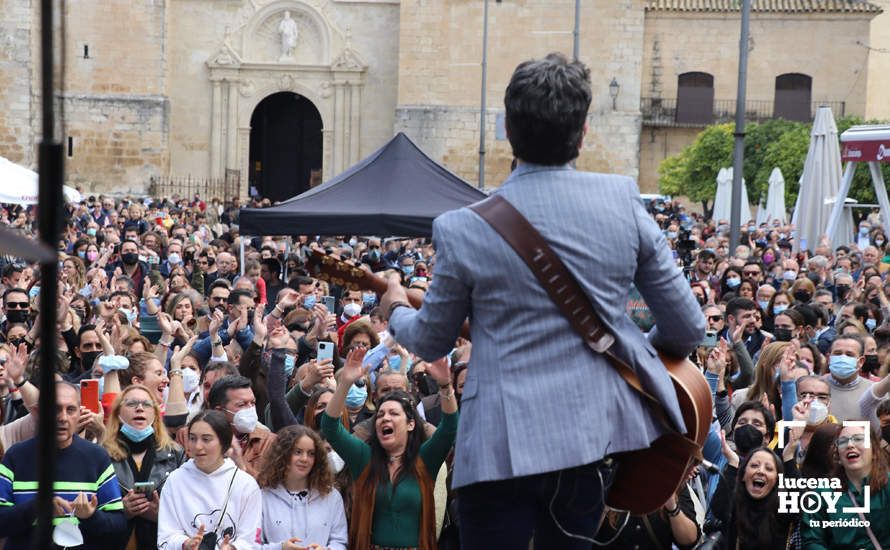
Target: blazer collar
(524,168)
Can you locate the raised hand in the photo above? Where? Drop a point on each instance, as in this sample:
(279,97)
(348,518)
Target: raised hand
(731,456)
(278,338)
(440,370)
(180,352)
(353,369)
(15,366)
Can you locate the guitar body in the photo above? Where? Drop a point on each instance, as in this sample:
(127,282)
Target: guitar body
(646,478)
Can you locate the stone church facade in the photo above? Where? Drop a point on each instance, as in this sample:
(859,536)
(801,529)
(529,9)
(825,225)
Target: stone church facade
(282,94)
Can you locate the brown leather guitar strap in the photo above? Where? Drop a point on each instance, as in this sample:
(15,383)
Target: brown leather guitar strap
(561,286)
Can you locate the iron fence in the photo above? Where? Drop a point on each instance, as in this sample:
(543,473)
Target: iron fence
(657,111)
(188,186)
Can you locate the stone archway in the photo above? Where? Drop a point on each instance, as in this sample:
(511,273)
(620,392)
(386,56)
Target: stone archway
(285,146)
(248,68)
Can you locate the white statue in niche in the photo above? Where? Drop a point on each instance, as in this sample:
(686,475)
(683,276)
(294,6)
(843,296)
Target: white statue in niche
(287,29)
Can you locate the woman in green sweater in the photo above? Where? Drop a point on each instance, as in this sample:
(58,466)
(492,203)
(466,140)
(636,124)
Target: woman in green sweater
(395,473)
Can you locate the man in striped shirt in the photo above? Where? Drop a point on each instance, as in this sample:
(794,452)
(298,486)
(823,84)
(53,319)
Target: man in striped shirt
(86,489)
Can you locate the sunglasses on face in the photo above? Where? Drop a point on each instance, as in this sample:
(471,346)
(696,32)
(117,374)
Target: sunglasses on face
(17,305)
(715,318)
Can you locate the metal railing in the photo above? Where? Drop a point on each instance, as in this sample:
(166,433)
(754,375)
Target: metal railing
(187,186)
(657,111)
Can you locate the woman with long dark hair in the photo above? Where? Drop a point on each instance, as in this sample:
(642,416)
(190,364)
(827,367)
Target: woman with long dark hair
(395,472)
(755,522)
(299,500)
(209,498)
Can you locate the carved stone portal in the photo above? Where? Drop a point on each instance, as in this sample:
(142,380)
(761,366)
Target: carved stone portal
(286,45)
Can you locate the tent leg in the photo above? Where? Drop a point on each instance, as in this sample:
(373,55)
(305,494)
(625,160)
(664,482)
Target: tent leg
(839,203)
(877,180)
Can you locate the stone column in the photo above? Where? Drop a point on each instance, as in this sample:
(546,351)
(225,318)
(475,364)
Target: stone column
(244,160)
(355,123)
(339,150)
(232,125)
(215,131)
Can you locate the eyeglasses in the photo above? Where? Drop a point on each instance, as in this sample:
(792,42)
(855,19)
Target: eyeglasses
(137,404)
(844,442)
(824,397)
(750,273)
(715,318)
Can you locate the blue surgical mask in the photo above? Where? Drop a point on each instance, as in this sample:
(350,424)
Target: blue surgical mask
(91,231)
(843,366)
(289,363)
(356,396)
(136,435)
(779,308)
(763,304)
(789,275)
(34,292)
(395,362)
(871,324)
(733,283)
(309,301)
(671,235)
(408,269)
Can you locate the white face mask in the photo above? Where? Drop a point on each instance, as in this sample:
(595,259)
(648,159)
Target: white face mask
(189,380)
(245,420)
(67,535)
(335,462)
(351,310)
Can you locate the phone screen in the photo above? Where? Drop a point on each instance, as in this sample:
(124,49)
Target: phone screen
(328,303)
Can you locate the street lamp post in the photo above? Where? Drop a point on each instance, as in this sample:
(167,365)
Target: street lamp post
(482,102)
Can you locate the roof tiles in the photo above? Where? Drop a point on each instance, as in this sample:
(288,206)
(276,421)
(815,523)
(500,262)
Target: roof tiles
(766,6)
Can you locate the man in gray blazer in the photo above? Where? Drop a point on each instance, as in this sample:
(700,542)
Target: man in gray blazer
(540,411)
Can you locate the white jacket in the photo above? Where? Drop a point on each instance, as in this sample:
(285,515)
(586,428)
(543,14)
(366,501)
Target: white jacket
(191,498)
(318,519)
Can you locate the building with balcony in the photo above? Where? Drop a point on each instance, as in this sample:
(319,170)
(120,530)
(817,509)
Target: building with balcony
(802,54)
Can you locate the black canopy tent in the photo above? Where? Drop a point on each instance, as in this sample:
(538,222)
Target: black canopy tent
(398,190)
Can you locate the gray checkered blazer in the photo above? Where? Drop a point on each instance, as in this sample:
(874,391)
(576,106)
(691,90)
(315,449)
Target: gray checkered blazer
(536,398)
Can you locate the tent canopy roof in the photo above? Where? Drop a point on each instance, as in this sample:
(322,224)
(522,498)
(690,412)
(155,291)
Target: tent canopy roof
(397,190)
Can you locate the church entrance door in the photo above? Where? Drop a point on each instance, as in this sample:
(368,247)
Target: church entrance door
(285,146)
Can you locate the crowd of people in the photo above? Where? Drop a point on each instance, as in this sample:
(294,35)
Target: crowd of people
(208,398)
(202,403)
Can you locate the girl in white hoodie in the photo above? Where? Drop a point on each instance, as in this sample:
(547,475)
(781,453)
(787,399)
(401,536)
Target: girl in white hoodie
(301,508)
(209,494)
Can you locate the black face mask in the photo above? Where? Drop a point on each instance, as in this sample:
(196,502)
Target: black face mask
(87,359)
(17,316)
(16,342)
(782,334)
(871,364)
(130,258)
(885,433)
(842,291)
(802,296)
(747,438)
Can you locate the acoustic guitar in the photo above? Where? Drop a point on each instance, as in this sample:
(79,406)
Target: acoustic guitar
(645,479)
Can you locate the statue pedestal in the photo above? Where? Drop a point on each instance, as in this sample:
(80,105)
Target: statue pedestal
(288,58)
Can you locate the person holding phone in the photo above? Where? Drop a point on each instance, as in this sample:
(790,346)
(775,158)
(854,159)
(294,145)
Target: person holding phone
(143,455)
(209,502)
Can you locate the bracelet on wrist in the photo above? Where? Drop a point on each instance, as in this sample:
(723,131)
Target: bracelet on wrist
(24,381)
(173,372)
(675,512)
(394,305)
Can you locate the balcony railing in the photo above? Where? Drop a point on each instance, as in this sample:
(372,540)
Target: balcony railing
(658,111)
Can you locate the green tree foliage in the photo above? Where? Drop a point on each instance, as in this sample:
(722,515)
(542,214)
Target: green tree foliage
(774,143)
(694,171)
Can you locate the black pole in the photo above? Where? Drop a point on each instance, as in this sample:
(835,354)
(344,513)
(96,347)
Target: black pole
(738,155)
(49,214)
